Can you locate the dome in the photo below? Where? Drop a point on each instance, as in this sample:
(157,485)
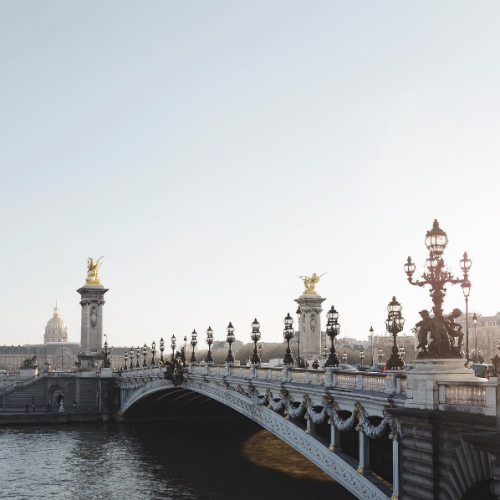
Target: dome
(56,329)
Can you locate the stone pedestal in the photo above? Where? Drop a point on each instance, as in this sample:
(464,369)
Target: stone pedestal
(310,326)
(422,389)
(28,372)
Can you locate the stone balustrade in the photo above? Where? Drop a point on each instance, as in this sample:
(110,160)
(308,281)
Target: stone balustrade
(468,397)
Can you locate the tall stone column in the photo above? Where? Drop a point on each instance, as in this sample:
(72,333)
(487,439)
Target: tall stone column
(92,302)
(310,325)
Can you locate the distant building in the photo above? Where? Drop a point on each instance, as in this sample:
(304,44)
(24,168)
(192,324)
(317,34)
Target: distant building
(55,350)
(488,334)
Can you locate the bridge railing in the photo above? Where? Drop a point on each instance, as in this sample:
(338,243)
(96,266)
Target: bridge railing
(468,397)
(393,382)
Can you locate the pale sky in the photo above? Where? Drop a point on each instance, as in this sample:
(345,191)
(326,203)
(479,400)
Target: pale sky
(214,151)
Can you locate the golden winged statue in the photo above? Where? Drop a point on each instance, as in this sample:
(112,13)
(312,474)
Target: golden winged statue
(310,282)
(93,271)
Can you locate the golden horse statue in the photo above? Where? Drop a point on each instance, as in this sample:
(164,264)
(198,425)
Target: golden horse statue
(310,282)
(93,271)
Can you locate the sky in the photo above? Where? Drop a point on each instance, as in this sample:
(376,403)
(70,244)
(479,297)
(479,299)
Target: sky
(214,152)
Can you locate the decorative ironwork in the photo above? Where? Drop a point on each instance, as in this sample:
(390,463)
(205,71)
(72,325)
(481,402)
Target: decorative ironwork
(194,341)
(210,341)
(442,333)
(230,339)
(288,334)
(332,330)
(255,360)
(394,324)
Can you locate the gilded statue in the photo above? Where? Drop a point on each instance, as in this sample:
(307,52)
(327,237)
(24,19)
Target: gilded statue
(310,283)
(93,271)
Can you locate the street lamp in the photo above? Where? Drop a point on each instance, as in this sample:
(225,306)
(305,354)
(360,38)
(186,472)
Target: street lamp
(137,353)
(126,359)
(172,345)
(371,343)
(465,265)
(153,351)
(380,354)
(344,357)
(394,324)
(474,322)
(184,351)
(332,330)
(194,335)
(210,340)
(255,338)
(288,335)
(230,339)
(131,358)
(144,353)
(300,361)
(437,276)
(162,348)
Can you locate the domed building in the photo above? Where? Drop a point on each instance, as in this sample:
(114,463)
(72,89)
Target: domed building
(56,329)
(55,350)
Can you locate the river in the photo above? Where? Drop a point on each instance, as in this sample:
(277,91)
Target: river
(172,460)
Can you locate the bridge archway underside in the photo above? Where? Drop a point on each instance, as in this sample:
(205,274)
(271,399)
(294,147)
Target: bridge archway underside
(281,407)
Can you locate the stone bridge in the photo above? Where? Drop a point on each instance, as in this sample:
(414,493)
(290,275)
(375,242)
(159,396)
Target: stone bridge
(356,426)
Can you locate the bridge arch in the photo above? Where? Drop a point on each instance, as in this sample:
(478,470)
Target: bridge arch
(335,465)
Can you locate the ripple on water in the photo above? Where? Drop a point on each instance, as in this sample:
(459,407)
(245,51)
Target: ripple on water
(163,460)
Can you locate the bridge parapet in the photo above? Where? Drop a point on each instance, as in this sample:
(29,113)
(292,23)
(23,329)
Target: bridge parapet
(468,397)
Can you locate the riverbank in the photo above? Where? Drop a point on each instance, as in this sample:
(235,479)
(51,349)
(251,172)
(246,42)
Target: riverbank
(11,418)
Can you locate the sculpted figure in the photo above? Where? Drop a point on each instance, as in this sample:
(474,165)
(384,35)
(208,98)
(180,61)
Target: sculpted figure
(424,327)
(455,329)
(93,271)
(310,283)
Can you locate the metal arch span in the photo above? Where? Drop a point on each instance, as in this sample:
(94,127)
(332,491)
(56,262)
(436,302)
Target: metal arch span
(333,464)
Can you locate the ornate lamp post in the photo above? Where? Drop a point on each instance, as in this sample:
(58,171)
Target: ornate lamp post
(153,351)
(361,356)
(465,265)
(288,335)
(437,276)
(106,352)
(210,340)
(380,354)
(230,339)
(394,324)
(344,357)
(371,343)
(131,358)
(332,330)
(474,322)
(144,353)
(255,360)
(300,361)
(162,348)
(184,351)
(137,353)
(172,345)
(126,360)
(194,335)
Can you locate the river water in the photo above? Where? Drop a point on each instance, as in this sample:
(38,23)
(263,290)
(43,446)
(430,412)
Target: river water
(172,460)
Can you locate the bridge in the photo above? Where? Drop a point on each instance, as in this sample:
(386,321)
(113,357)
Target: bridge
(359,427)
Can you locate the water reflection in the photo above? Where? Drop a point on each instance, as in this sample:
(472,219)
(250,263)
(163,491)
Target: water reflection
(172,460)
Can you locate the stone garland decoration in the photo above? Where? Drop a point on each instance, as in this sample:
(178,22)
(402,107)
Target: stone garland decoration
(331,412)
